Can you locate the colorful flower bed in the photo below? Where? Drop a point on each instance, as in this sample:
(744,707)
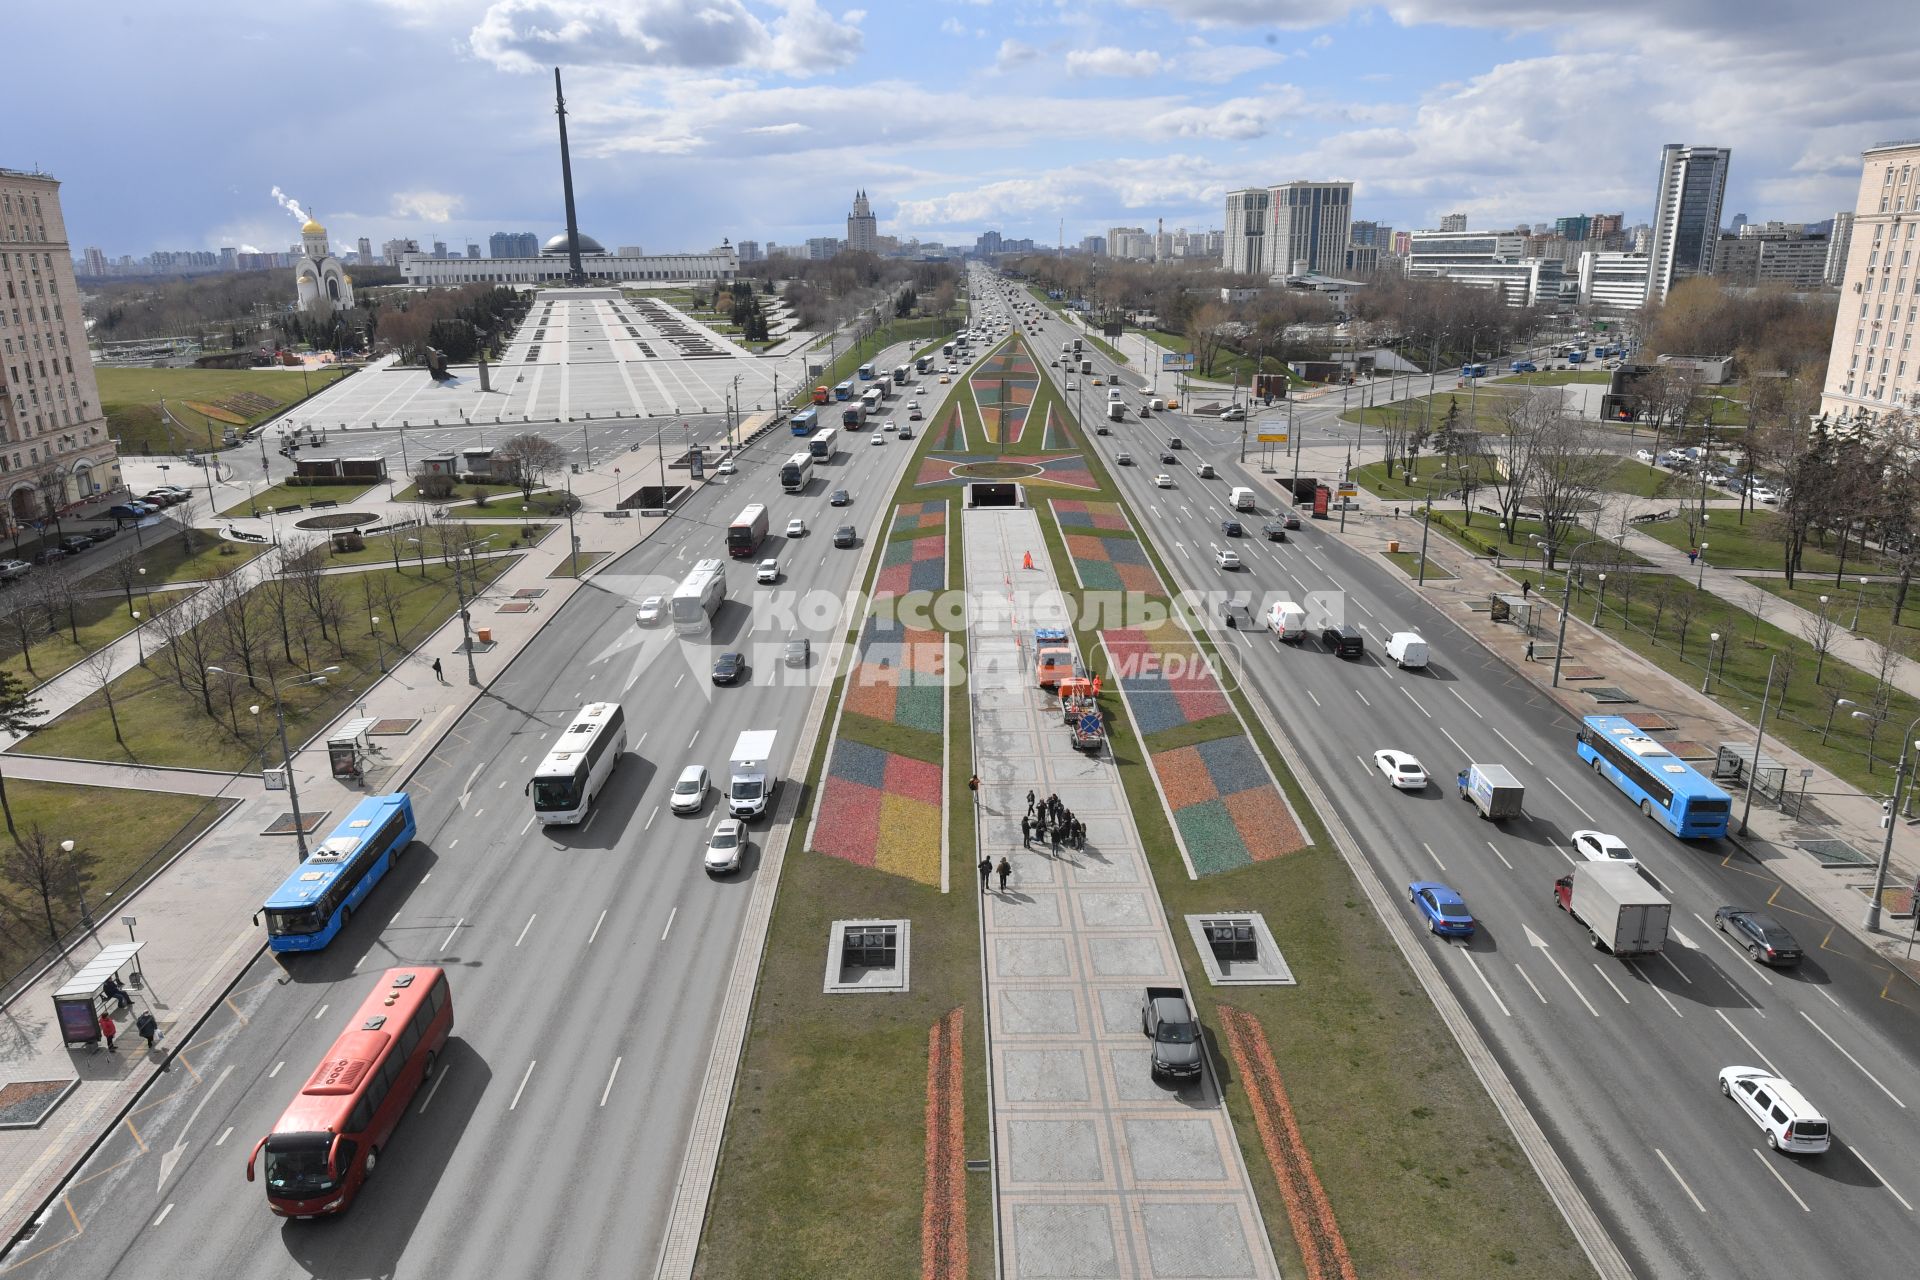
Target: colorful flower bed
(947,467)
(1167,678)
(881,810)
(1056,435)
(1111,563)
(949,432)
(1003,388)
(1074,513)
(899,677)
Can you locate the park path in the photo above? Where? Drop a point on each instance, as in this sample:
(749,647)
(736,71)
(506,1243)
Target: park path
(1099,1169)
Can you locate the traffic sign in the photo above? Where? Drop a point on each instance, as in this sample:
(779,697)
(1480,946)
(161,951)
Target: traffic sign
(1348,491)
(1266,437)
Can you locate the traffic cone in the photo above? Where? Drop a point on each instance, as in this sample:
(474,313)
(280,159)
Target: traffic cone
(1028,561)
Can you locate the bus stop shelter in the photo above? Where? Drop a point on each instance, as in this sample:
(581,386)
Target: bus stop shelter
(78,1002)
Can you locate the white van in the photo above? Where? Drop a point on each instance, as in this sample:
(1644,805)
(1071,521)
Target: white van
(1288,622)
(1114,394)
(1407,649)
(1159,402)
(1242,498)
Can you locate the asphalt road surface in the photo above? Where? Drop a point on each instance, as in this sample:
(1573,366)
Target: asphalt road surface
(1617,1058)
(586,962)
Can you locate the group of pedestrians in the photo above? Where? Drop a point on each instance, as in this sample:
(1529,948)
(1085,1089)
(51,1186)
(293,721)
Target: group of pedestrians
(145,1024)
(1051,822)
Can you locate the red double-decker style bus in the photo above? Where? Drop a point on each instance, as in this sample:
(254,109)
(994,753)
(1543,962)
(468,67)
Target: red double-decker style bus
(327,1142)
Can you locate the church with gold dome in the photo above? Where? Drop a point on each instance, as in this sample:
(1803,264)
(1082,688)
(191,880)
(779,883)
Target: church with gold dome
(321,282)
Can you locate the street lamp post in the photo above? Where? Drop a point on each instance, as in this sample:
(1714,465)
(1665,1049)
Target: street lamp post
(1828,727)
(1566,601)
(139,642)
(380,650)
(1426,528)
(86,916)
(1907,745)
(1858,600)
(1759,737)
(286,755)
(1700,580)
(1713,647)
(1600,599)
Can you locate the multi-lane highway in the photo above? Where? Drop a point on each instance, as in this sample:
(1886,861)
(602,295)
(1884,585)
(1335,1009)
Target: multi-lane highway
(1617,1059)
(586,962)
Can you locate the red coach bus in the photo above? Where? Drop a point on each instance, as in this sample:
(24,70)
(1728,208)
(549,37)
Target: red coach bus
(327,1142)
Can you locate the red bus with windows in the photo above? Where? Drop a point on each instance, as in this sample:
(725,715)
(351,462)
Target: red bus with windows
(326,1144)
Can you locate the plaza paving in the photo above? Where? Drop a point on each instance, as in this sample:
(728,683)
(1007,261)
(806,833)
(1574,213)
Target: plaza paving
(1101,1170)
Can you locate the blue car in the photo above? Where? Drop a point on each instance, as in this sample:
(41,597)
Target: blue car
(1445,910)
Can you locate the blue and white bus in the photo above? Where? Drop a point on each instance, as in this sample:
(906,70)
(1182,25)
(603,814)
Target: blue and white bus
(1665,787)
(307,911)
(804,422)
(866,373)
(843,391)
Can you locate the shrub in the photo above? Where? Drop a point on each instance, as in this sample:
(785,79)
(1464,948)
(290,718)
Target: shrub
(482,499)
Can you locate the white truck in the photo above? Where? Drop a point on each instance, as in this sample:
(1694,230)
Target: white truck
(1116,412)
(1086,366)
(1493,789)
(1407,649)
(1623,913)
(1243,498)
(750,779)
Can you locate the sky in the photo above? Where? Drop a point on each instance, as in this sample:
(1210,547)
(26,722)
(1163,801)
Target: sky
(170,126)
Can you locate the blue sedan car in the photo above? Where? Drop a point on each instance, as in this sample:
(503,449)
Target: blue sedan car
(1445,910)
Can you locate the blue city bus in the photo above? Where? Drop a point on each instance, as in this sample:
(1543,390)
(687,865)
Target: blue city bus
(843,391)
(804,422)
(307,911)
(1664,786)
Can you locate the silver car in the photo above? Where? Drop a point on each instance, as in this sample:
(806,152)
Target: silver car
(690,792)
(726,847)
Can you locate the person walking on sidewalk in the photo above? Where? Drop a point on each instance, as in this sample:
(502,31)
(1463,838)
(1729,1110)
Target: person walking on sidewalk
(986,869)
(1029,802)
(1526,587)
(148,1028)
(437,673)
(109,1030)
(1529,651)
(1005,869)
(1026,831)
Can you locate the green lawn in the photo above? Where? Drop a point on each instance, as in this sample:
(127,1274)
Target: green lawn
(1865,611)
(1629,475)
(163,724)
(410,546)
(1753,544)
(102,620)
(1114,353)
(1485,535)
(1554,377)
(462,490)
(544,504)
(168,560)
(286,495)
(578,563)
(1740,673)
(1409,562)
(1411,482)
(132,400)
(128,833)
(1478,410)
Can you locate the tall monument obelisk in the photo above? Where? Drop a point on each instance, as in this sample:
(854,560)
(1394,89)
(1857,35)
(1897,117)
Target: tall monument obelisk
(575,273)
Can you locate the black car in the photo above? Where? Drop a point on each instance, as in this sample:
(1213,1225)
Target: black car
(1345,641)
(49,555)
(1292,520)
(1169,459)
(799,653)
(839,498)
(844,536)
(1236,614)
(1274,530)
(75,544)
(728,666)
(102,533)
(1231,528)
(1764,938)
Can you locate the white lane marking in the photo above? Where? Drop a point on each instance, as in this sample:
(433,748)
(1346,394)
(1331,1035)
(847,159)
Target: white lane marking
(1563,791)
(677,683)
(669,929)
(1541,946)
(528,827)
(453,842)
(695,738)
(1609,981)
(1663,995)
(1562,851)
(500,784)
(1509,741)
(320,1013)
(439,1078)
(467,789)
(1750,1044)
(611,1077)
(1456,742)
(1496,853)
(221,1140)
(1468,705)
(456,928)
(1316,701)
(523,928)
(1676,968)
(1529,981)
(1759,971)
(1677,1178)
(1416,702)
(1850,1058)
(276,1068)
(1883,1182)
(1768,1166)
(423,880)
(1363,608)
(643,740)
(523,1084)
(1830,1000)
(171,1158)
(163,1214)
(651,817)
(1361,696)
(1488,985)
(1433,855)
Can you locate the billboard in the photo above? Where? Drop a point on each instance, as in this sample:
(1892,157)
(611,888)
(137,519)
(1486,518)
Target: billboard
(1177,361)
(1113,330)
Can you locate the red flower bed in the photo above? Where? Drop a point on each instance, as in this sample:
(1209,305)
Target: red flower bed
(854,832)
(1264,823)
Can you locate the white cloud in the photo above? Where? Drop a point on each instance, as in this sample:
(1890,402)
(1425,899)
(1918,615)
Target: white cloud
(1014,53)
(1293,14)
(952,26)
(1109,61)
(427,206)
(1235,119)
(666,35)
(1320,41)
(1219,63)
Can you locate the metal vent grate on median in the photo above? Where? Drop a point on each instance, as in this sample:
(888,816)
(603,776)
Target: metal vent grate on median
(1836,853)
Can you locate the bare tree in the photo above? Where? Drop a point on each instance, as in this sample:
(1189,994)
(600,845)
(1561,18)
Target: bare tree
(1524,420)
(52,874)
(527,460)
(239,621)
(19,713)
(1568,462)
(96,669)
(1205,330)
(1685,606)
(1820,630)
(25,622)
(196,641)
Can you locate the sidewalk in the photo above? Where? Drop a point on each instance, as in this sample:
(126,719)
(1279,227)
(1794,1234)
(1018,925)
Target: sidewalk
(195,913)
(1099,1169)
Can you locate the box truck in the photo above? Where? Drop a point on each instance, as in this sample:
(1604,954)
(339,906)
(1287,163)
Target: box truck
(750,779)
(1493,790)
(1623,913)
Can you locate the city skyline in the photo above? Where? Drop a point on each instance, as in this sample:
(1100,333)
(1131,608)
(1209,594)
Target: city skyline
(1155,112)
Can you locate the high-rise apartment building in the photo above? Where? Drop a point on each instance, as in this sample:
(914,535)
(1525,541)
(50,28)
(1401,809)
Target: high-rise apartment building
(1128,242)
(54,446)
(97,261)
(364,248)
(748,251)
(1454,222)
(1686,215)
(823,248)
(1309,226)
(473,250)
(1377,235)
(513,244)
(394,250)
(1872,367)
(1095,246)
(1613,282)
(1579,226)
(863,229)
(1837,245)
(1245,246)
(1606,224)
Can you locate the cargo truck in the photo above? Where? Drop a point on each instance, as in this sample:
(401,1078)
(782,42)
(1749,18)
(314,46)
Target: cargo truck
(750,779)
(1623,913)
(1493,790)
(1116,412)
(1086,366)
(1243,498)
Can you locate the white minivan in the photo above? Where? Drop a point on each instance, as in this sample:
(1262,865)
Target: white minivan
(1287,621)
(1407,649)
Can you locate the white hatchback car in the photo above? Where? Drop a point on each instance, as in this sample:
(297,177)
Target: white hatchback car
(725,847)
(652,611)
(1226,558)
(796,528)
(1788,1119)
(690,792)
(1402,770)
(725,469)
(1598,846)
(769,571)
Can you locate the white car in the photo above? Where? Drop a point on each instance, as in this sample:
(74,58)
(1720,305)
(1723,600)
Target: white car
(769,571)
(725,847)
(1163,481)
(1598,846)
(1226,558)
(690,792)
(1788,1119)
(953,368)
(652,612)
(725,469)
(876,438)
(1766,495)
(1071,384)
(1402,770)
(796,528)
(1643,455)
(890,425)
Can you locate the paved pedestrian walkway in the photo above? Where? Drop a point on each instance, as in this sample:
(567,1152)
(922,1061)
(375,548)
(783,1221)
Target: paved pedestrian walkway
(1100,1171)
